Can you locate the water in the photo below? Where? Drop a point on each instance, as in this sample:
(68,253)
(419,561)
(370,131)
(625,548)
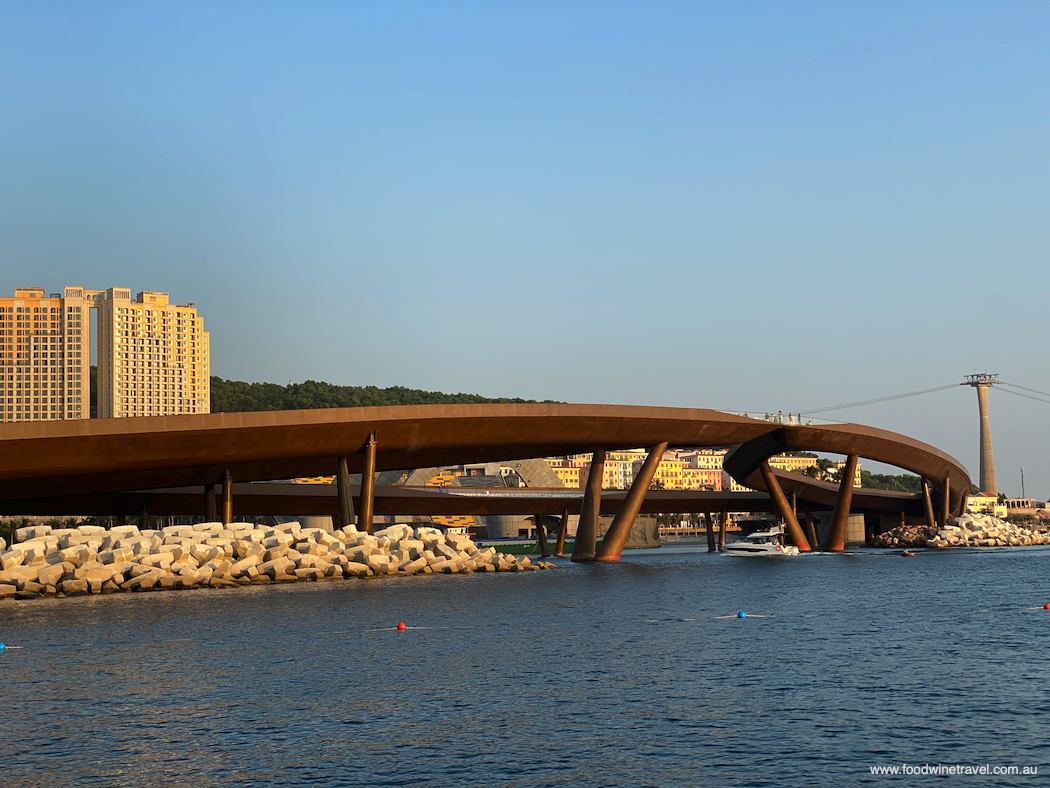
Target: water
(589,675)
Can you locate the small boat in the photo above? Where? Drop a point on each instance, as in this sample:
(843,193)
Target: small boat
(907,554)
(762,543)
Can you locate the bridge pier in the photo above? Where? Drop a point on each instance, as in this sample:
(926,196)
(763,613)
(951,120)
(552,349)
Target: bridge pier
(346,502)
(836,538)
(211,514)
(227,498)
(587,530)
(709,526)
(616,537)
(927,504)
(811,529)
(780,503)
(368,482)
(946,509)
(541,536)
(723,522)
(563,529)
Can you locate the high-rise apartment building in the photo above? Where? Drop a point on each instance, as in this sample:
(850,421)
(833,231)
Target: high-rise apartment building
(45,355)
(153,357)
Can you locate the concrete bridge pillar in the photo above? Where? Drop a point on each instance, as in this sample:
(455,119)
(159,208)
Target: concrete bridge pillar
(616,537)
(709,526)
(587,530)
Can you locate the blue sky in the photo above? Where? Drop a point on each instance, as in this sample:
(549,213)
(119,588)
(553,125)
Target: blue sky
(751,206)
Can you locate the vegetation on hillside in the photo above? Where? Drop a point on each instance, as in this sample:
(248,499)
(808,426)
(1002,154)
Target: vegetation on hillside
(234,396)
(905,482)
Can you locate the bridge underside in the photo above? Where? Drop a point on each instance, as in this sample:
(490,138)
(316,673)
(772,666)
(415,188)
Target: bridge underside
(276,499)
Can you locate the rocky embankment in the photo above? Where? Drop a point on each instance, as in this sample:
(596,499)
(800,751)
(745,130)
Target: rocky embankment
(969,530)
(93,560)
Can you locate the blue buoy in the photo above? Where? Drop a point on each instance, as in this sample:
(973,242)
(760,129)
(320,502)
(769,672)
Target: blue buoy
(741,614)
(3,647)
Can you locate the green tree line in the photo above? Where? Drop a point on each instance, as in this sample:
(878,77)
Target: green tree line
(235,396)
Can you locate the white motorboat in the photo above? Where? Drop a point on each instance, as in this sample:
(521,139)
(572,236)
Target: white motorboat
(762,543)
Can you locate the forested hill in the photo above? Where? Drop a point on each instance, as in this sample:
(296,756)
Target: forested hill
(234,396)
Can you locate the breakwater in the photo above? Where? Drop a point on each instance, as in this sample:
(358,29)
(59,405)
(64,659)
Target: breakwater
(968,530)
(94,560)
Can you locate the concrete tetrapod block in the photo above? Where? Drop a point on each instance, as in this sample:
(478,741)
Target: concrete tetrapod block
(354,569)
(413,567)
(51,575)
(10,560)
(7,590)
(73,587)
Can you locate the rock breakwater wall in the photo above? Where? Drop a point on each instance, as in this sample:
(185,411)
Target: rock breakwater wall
(93,560)
(969,530)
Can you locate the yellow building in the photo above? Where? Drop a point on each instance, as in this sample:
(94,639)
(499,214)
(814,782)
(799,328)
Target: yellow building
(986,503)
(569,474)
(154,358)
(45,355)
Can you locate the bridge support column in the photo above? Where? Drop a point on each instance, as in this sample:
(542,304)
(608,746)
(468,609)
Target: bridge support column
(709,526)
(946,509)
(346,502)
(587,530)
(783,508)
(811,529)
(836,539)
(723,522)
(227,498)
(368,482)
(541,536)
(620,529)
(211,514)
(928,504)
(563,530)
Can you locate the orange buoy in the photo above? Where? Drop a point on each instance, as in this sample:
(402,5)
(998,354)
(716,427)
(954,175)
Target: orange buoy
(1046,606)
(401,626)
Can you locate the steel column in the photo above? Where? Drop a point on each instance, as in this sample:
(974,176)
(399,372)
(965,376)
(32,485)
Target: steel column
(211,514)
(368,481)
(780,503)
(946,509)
(709,526)
(563,529)
(836,538)
(811,529)
(616,537)
(587,530)
(541,536)
(928,505)
(227,498)
(346,502)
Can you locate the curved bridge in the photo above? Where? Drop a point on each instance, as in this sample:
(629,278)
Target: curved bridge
(39,460)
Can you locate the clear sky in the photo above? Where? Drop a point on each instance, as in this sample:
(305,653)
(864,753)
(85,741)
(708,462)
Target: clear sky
(748,206)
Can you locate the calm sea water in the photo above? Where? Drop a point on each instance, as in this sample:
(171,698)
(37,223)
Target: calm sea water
(589,675)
